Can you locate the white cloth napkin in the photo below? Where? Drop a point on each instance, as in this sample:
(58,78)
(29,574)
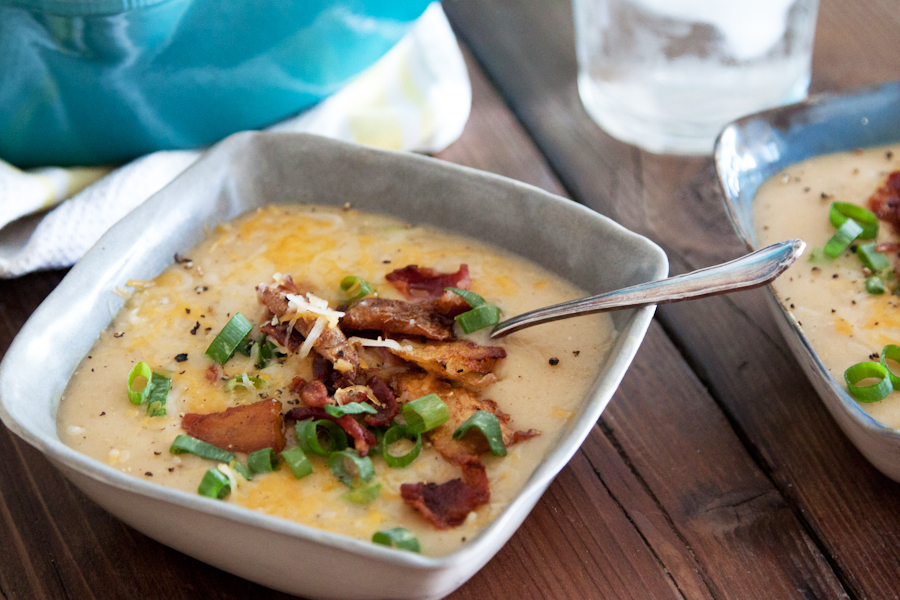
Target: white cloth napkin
(417,97)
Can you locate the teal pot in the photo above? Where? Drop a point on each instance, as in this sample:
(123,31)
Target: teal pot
(103,81)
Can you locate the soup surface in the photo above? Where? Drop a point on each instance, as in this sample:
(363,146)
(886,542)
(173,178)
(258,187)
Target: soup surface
(843,321)
(170,321)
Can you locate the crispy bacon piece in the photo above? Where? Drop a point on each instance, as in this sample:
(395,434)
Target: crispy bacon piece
(397,316)
(363,439)
(314,393)
(240,428)
(461,404)
(885,202)
(449,304)
(462,361)
(331,343)
(387,405)
(447,505)
(213,373)
(421,282)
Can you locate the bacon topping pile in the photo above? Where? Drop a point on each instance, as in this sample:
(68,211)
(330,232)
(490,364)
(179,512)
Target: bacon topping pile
(419,355)
(885,202)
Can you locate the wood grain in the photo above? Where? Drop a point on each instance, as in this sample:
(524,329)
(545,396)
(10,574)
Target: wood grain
(851,510)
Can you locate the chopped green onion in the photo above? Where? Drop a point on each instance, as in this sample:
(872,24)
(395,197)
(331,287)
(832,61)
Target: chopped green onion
(874,285)
(215,484)
(397,537)
(472,298)
(184,444)
(364,495)
(262,461)
(229,338)
(297,462)
(351,468)
(308,433)
(868,393)
(245,347)
(241,469)
(265,350)
(395,434)
(425,413)
(159,392)
(136,397)
(486,315)
(842,238)
(841,211)
(489,425)
(379,440)
(871,258)
(351,408)
(891,352)
(359,288)
(248,382)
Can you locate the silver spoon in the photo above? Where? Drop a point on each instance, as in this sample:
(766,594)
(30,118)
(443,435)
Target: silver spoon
(753,270)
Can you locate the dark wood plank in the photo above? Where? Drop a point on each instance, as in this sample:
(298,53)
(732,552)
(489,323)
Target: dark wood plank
(732,342)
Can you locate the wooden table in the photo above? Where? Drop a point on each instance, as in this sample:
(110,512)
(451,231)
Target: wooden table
(716,471)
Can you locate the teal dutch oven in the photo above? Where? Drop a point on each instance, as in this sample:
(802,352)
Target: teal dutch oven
(102,81)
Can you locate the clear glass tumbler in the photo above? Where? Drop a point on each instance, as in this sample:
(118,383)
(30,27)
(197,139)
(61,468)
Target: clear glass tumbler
(668,75)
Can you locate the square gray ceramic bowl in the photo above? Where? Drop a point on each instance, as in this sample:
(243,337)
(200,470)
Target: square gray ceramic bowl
(754,148)
(250,170)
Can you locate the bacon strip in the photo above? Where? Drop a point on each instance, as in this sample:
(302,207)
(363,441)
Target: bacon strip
(363,439)
(244,428)
(462,361)
(421,282)
(388,408)
(447,505)
(885,202)
(397,317)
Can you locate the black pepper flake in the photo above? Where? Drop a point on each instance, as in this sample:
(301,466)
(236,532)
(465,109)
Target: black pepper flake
(89,356)
(792,306)
(171,469)
(118,334)
(806,189)
(181,259)
(187,310)
(553,361)
(196,327)
(854,248)
(833,311)
(103,414)
(92,370)
(201,288)
(824,196)
(148,474)
(576,352)
(834,276)
(874,356)
(208,329)
(889,155)
(181,357)
(183,372)
(157,453)
(853,302)
(387,262)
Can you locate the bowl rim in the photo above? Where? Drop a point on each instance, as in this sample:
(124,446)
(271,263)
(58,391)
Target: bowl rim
(767,117)
(628,339)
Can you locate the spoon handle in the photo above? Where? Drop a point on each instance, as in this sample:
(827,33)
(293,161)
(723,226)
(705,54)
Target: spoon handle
(750,271)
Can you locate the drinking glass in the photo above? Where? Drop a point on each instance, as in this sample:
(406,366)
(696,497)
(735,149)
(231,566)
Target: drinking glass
(668,75)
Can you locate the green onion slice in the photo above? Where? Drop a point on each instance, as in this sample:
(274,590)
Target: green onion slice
(842,238)
(363,495)
(215,484)
(229,338)
(397,537)
(241,470)
(472,298)
(245,347)
(159,392)
(356,287)
(486,315)
(489,425)
(394,435)
(185,444)
(868,370)
(351,408)
(262,461)
(874,285)
(871,258)
(351,468)
(248,382)
(297,461)
(138,397)
(425,413)
(891,352)
(309,432)
(841,211)
(265,350)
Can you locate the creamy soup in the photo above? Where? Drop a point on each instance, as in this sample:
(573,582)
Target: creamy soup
(844,323)
(168,323)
